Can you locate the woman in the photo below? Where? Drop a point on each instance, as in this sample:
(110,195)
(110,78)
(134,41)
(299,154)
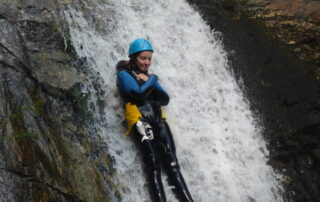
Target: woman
(144,96)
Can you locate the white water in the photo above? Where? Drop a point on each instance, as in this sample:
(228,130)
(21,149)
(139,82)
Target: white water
(219,145)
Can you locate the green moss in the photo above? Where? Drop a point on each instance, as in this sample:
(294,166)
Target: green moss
(4,64)
(17,114)
(20,135)
(35,107)
(26,135)
(38,105)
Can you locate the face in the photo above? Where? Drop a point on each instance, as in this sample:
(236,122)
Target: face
(143,60)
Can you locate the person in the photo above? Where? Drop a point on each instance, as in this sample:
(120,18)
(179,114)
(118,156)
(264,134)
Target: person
(143,97)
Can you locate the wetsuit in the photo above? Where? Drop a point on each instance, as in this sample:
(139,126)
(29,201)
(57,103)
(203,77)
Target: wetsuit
(152,131)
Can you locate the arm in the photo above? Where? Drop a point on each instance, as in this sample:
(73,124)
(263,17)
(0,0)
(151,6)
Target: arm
(129,85)
(162,94)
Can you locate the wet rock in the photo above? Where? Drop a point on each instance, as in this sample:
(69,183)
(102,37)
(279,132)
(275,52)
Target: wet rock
(313,11)
(48,152)
(290,21)
(287,8)
(53,69)
(316,154)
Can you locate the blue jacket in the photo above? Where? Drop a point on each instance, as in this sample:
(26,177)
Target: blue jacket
(139,92)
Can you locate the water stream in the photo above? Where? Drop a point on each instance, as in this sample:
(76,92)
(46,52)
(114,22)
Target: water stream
(219,144)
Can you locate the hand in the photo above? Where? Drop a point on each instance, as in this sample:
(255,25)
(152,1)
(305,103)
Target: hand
(141,76)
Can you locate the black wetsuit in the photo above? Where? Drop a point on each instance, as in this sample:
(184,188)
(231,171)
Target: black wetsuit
(157,143)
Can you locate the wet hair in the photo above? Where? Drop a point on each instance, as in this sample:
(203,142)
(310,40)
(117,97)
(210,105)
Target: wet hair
(123,65)
(127,64)
(133,59)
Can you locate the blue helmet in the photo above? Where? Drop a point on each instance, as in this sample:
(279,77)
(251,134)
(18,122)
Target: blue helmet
(139,45)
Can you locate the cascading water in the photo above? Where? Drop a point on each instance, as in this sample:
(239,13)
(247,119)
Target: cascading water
(219,145)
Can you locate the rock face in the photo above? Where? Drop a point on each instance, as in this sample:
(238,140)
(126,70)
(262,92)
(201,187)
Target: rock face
(282,87)
(294,22)
(47,152)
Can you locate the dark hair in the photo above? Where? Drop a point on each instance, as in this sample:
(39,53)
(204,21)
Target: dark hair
(133,58)
(123,65)
(127,65)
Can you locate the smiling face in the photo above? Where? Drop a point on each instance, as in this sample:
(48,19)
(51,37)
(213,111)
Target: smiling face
(143,60)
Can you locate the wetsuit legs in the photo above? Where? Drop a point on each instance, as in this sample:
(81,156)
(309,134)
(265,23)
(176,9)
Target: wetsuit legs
(168,153)
(152,163)
(158,193)
(161,144)
(176,179)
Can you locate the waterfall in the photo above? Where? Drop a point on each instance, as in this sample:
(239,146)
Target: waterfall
(220,147)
